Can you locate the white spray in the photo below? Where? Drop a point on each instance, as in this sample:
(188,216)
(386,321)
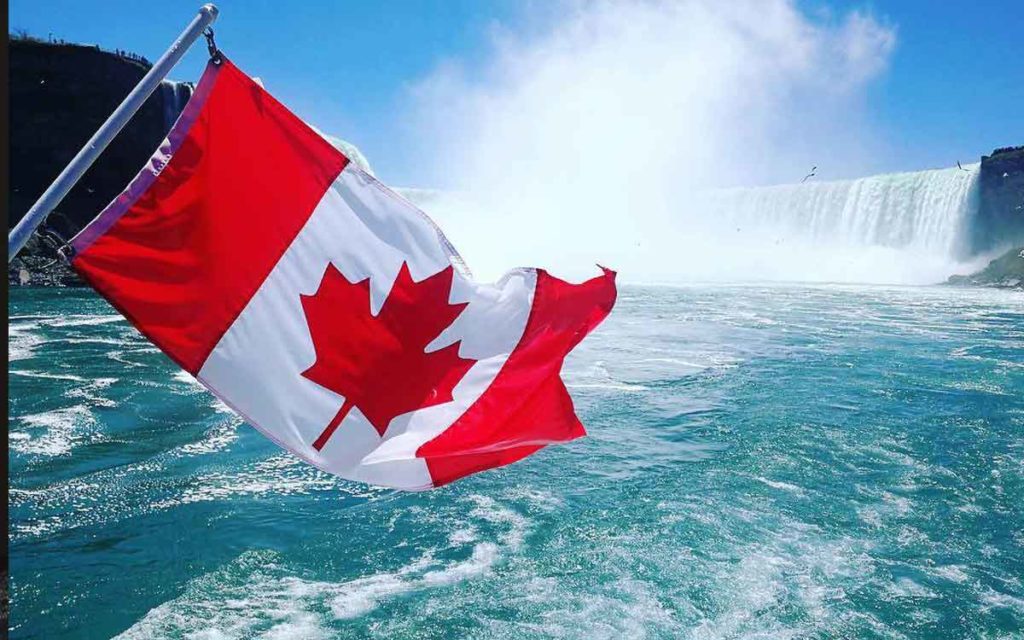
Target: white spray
(592,137)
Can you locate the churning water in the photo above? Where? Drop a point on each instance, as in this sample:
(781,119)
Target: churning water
(763,461)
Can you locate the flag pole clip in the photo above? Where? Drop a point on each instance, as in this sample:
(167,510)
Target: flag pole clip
(215,55)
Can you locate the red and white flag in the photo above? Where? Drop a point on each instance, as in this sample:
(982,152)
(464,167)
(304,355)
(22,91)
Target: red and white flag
(327,310)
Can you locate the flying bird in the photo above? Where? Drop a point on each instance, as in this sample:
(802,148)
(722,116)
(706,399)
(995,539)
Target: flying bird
(959,167)
(811,174)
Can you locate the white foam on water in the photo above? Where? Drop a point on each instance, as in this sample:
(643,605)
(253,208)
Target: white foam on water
(186,378)
(539,498)
(462,535)
(596,376)
(683,363)
(609,386)
(979,387)
(908,588)
(90,392)
(870,517)
(484,556)
(48,376)
(126,490)
(23,334)
(953,572)
(112,341)
(280,475)
(194,386)
(358,597)
(243,598)
(992,599)
(85,388)
(782,486)
(30,316)
(215,439)
(62,431)
(628,608)
(69,504)
(362,595)
(83,320)
(792,565)
(300,626)
(489,509)
(22,340)
(220,406)
(365,595)
(118,356)
(254,596)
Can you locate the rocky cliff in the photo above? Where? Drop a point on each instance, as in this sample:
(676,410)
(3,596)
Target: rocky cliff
(1000,219)
(59,96)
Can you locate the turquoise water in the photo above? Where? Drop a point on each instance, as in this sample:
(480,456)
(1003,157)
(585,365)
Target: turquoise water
(773,462)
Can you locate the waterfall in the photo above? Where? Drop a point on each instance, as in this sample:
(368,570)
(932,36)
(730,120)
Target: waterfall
(900,228)
(923,211)
(173,96)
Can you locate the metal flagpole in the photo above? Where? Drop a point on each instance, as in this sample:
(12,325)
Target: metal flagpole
(47,202)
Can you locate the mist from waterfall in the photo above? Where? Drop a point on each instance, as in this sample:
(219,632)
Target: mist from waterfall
(893,228)
(642,135)
(900,228)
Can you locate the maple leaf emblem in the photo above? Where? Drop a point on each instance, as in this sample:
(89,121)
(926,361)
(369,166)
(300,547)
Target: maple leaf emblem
(379,363)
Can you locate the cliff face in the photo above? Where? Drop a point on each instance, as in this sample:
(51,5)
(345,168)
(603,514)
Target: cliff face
(59,96)
(1000,221)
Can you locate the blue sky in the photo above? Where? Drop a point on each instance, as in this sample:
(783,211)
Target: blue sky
(953,88)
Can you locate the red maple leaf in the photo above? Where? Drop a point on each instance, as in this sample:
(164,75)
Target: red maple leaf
(379,363)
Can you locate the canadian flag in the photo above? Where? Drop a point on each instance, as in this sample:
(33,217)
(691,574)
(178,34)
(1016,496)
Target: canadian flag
(329,312)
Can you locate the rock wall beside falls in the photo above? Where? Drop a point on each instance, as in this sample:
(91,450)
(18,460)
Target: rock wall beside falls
(60,94)
(1000,218)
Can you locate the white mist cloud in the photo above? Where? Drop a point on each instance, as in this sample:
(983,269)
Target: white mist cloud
(583,140)
(863,47)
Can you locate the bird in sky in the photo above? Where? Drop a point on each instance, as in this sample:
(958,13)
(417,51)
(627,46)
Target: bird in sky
(811,174)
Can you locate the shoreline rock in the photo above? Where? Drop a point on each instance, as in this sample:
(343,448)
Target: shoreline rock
(1000,218)
(1005,272)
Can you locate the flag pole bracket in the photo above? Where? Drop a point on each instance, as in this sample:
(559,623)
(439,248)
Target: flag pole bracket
(215,55)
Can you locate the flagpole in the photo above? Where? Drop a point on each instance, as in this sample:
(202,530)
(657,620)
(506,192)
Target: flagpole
(47,202)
